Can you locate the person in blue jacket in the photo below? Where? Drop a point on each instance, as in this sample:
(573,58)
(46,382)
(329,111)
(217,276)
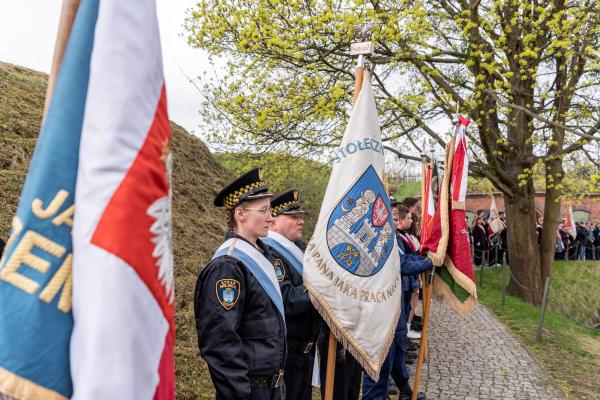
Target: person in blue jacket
(412,265)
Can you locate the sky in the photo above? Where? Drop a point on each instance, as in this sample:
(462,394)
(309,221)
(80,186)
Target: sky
(28,32)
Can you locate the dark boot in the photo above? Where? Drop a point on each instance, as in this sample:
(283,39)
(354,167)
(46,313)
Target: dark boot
(406,393)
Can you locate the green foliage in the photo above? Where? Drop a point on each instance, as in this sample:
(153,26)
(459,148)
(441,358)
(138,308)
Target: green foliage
(283,172)
(521,71)
(569,351)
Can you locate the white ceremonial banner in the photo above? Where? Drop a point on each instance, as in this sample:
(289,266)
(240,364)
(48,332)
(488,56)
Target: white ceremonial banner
(352,264)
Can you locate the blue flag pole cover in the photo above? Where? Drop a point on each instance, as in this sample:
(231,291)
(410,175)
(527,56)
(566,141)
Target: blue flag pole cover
(35,271)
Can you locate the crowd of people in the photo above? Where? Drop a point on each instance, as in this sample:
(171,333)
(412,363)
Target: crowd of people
(489,240)
(584,245)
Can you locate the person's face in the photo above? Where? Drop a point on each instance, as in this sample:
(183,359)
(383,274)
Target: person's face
(395,215)
(416,208)
(541,221)
(289,226)
(254,216)
(405,223)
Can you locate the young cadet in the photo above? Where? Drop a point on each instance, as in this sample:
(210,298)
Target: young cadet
(411,265)
(302,320)
(237,302)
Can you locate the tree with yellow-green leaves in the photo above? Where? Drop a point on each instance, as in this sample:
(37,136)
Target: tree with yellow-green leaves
(527,72)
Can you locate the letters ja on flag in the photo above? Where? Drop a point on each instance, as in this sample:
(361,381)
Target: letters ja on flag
(352,264)
(104,147)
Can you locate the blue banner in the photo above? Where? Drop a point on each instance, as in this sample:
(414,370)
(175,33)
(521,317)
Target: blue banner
(35,271)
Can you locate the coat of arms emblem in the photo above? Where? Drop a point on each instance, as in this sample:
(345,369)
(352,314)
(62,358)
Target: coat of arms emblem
(360,228)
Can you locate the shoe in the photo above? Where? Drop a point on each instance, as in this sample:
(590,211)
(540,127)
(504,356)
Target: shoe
(406,393)
(392,388)
(413,335)
(416,326)
(410,346)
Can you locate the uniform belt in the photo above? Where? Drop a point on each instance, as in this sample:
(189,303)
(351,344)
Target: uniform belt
(272,381)
(302,347)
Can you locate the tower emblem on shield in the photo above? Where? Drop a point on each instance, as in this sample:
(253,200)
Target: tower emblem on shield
(360,228)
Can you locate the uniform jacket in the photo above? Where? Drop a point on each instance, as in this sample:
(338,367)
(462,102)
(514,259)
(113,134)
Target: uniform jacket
(244,337)
(301,318)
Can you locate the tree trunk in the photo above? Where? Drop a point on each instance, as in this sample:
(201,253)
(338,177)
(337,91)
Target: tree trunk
(523,250)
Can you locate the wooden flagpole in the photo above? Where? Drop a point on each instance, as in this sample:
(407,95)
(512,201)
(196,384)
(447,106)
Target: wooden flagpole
(67,17)
(423,341)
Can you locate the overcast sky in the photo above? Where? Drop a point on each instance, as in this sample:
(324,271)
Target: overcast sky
(28,32)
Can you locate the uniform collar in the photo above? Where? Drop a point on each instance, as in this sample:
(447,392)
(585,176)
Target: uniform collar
(259,243)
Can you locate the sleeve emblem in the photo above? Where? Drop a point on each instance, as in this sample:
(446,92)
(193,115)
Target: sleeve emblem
(228,292)
(279,269)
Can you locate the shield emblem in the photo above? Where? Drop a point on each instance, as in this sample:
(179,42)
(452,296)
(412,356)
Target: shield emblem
(380,212)
(279,269)
(228,292)
(360,233)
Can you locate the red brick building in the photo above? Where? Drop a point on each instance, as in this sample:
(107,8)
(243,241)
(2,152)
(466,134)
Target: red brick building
(587,210)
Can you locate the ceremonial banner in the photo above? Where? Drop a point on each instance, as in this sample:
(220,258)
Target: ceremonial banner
(35,271)
(435,240)
(457,262)
(123,291)
(352,264)
(570,223)
(496,224)
(429,194)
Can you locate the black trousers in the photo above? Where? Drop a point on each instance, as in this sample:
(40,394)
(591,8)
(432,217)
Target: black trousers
(264,393)
(348,372)
(298,375)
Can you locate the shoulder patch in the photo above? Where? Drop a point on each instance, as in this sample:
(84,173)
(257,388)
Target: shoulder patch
(279,269)
(228,292)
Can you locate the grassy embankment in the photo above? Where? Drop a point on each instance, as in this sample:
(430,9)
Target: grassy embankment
(569,349)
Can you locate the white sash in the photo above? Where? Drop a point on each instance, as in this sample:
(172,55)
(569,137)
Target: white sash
(257,264)
(286,248)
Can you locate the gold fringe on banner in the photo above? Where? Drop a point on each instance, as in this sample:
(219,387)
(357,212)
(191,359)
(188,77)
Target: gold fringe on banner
(343,335)
(442,290)
(438,257)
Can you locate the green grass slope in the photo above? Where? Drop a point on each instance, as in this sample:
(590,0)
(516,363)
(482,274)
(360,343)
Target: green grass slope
(198,227)
(569,350)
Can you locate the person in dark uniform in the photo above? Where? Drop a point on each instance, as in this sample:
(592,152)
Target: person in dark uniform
(412,265)
(302,320)
(237,302)
(480,241)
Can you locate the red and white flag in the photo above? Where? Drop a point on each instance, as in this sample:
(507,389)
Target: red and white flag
(570,223)
(429,192)
(123,290)
(496,224)
(458,262)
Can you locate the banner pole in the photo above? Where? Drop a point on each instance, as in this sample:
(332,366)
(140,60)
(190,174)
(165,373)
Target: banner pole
(67,17)
(330,374)
(423,341)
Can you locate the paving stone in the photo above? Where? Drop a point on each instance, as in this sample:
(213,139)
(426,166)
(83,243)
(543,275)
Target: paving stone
(477,357)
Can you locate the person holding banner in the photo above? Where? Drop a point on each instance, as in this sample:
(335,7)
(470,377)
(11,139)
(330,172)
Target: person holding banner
(237,302)
(302,320)
(412,265)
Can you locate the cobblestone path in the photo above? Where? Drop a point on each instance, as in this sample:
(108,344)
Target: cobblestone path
(477,357)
